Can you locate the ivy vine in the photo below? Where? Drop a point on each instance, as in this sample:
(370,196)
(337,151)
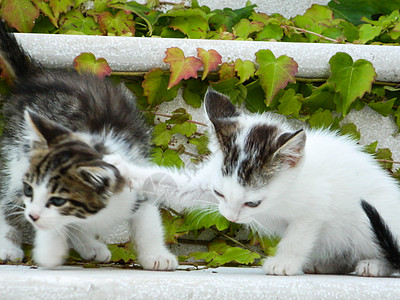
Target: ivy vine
(268,83)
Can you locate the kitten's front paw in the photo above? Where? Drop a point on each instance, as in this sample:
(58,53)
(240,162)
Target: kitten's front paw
(279,266)
(159,262)
(10,252)
(373,268)
(48,260)
(98,252)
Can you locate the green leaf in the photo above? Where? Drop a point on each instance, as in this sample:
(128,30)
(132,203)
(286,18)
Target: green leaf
(124,253)
(386,155)
(255,97)
(353,10)
(368,32)
(46,10)
(179,116)
(371,148)
(245,28)
(194,91)
(206,256)
(290,104)
(198,219)
(383,107)
(201,143)
(167,158)
(192,22)
(321,97)
(187,129)
(121,24)
(20,14)
(171,224)
(87,63)
(321,119)
(74,22)
(239,255)
(227,17)
(244,69)
(274,73)
(232,88)
(155,87)
(351,130)
(351,79)
(270,32)
(60,6)
(149,16)
(226,71)
(161,135)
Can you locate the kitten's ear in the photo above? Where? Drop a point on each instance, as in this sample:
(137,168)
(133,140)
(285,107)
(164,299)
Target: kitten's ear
(291,147)
(42,129)
(218,106)
(102,178)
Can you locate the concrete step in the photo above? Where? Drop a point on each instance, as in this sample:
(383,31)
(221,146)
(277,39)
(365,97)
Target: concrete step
(24,282)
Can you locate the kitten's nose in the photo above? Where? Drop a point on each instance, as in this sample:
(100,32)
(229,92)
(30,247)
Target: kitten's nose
(34,217)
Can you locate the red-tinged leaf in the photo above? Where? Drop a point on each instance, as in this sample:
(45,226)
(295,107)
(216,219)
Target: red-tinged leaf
(181,67)
(20,14)
(120,24)
(87,63)
(211,59)
(60,6)
(274,73)
(226,71)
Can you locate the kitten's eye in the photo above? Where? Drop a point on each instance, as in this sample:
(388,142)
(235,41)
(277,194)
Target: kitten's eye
(252,204)
(57,201)
(28,192)
(218,194)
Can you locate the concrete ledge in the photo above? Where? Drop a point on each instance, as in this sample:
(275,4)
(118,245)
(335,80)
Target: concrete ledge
(143,54)
(22,282)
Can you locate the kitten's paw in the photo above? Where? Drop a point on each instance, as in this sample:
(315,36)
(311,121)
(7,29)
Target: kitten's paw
(279,266)
(10,252)
(98,252)
(159,262)
(373,268)
(48,260)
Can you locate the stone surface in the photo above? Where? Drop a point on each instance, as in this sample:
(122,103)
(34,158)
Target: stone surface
(21,282)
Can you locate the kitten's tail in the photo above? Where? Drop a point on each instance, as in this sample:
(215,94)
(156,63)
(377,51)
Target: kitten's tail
(383,235)
(17,62)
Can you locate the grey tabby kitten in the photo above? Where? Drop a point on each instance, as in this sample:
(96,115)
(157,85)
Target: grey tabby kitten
(59,126)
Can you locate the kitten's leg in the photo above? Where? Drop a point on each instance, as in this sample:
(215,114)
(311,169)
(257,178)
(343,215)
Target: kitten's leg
(86,244)
(10,241)
(293,249)
(373,268)
(148,236)
(51,248)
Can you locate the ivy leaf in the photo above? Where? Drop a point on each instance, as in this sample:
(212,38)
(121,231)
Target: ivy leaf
(351,79)
(232,88)
(210,59)
(194,91)
(206,256)
(192,22)
(187,128)
(290,104)
(181,67)
(161,135)
(226,71)
(255,97)
(244,69)
(121,253)
(155,87)
(245,28)
(198,219)
(383,107)
(46,10)
(167,158)
(74,22)
(121,24)
(368,32)
(20,14)
(385,154)
(60,6)
(322,118)
(171,224)
(87,63)
(274,73)
(149,16)
(201,143)
(239,255)
(179,116)
(270,32)
(351,130)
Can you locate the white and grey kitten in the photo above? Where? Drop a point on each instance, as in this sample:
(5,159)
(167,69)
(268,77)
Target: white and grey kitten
(304,186)
(59,125)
